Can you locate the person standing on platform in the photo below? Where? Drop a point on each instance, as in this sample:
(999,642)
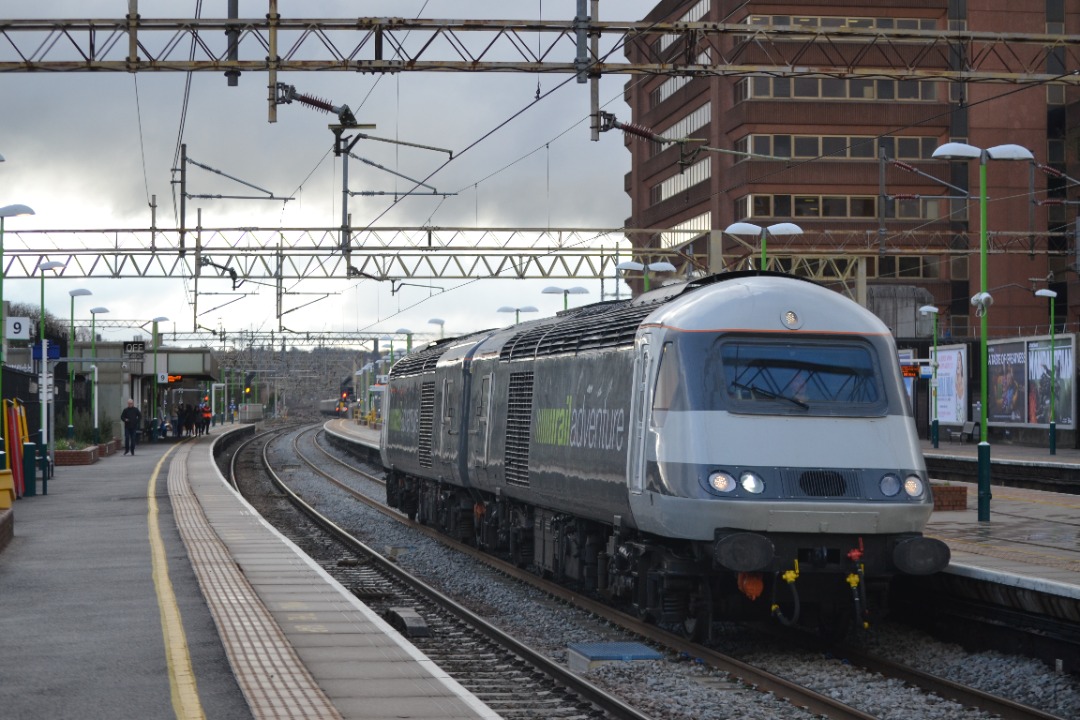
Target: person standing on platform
(132,419)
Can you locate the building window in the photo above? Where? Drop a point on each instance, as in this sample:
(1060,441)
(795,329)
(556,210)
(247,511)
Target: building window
(695,13)
(802,88)
(924,208)
(805,206)
(696,173)
(686,231)
(672,85)
(907,266)
(830,22)
(837,147)
(685,127)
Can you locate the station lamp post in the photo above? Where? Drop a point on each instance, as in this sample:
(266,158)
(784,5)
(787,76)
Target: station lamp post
(982,300)
(43,389)
(517,311)
(777,230)
(94,312)
(5,212)
(1053,369)
(77,292)
(567,292)
(154,407)
(653,267)
(931,310)
(408,338)
(389,339)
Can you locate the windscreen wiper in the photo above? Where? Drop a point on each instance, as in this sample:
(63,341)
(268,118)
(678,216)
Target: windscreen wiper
(769,394)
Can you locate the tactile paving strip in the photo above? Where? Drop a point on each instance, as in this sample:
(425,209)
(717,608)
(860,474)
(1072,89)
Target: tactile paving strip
(274,681)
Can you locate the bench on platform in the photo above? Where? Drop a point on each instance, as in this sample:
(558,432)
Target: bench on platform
(964,434)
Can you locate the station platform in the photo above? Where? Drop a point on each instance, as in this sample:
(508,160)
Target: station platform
(1029,541)
(144,587)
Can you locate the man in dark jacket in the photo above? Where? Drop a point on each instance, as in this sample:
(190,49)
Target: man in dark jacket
(132,419)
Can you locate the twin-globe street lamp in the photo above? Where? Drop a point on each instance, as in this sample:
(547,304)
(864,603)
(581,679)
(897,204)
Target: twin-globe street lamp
(77,292)
(777,230)
(1053,368)
(566,293)
(982,300)
(653,267)
(931,310)
(517,311)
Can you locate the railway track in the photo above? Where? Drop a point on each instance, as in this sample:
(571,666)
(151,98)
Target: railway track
(796,694)
(509,677)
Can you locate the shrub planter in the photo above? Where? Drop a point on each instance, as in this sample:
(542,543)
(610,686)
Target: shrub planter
(108,448)
(87,456)
(950,497)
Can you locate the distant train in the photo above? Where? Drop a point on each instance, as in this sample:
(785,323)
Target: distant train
(736,447)
(336,407)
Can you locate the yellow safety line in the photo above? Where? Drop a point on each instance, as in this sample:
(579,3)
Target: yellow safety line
(185,695)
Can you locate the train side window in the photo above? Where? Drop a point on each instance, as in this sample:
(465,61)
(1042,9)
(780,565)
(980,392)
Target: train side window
(482,401)
(448,405)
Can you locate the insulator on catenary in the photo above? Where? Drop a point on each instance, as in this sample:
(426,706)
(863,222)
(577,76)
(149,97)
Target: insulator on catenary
(314,102)
(636,130)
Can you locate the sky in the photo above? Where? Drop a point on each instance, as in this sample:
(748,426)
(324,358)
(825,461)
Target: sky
(89,151)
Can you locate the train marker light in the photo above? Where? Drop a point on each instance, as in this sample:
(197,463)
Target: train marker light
(890,485)
(913,486)
(721,482)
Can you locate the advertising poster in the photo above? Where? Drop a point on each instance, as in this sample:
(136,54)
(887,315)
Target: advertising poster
(952,384)
(1007,383)
(1039,378)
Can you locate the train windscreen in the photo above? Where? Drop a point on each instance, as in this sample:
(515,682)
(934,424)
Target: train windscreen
(761,375)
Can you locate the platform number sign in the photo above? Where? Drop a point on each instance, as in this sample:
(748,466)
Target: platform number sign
(17,328)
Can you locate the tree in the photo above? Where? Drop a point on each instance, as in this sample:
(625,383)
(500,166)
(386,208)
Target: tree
(56,329)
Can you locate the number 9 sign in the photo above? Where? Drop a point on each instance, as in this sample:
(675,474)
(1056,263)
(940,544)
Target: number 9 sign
(18,328)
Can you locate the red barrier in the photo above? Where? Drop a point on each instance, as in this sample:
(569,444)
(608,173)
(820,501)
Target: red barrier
(14,439)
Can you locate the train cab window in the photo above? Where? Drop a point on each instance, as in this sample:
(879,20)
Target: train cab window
(805,377)
(668,384)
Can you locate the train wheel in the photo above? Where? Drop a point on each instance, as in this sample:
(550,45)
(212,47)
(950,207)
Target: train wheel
(698,623)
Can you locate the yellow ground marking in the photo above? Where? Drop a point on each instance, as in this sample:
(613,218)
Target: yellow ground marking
(185,694)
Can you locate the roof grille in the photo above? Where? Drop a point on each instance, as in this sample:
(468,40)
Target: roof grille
(600,326)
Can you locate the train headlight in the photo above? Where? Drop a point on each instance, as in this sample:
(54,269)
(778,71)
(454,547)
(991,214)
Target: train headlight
(913,486)
(890,485)
(721,481)
(751,483)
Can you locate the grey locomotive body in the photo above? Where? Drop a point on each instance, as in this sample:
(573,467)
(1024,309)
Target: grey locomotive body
(733,447)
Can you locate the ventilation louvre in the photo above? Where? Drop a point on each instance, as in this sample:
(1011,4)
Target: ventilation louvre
(518,428)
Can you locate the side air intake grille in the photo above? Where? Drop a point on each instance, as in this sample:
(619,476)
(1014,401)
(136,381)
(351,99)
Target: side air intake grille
(519,428)
(427,415)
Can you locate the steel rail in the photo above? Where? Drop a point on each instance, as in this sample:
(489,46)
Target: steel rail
(608,703)
(756,678)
